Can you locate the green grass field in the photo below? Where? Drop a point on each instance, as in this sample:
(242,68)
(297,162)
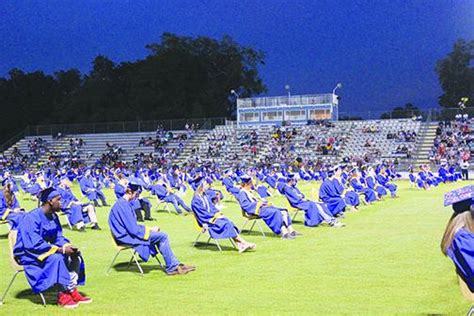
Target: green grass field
(387,260)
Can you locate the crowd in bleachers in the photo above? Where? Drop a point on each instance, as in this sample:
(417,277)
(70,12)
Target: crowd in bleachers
(453,142)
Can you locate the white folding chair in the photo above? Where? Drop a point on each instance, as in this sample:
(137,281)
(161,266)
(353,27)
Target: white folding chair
(134,257)
(15,266)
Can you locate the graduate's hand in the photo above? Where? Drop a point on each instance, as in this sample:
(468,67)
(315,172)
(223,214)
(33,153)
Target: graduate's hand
(69,250)
(154,229)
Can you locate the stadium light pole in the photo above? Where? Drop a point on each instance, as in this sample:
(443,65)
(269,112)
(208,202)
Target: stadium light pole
(338,86)
(234,93)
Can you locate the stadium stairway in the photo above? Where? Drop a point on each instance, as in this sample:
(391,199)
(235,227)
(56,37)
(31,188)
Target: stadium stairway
(426,139)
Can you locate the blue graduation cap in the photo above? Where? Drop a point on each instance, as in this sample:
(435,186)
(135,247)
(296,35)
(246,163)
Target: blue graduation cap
(48,194)
(135,184)
(290,176)
(196,182)
(245,178)
(461,199)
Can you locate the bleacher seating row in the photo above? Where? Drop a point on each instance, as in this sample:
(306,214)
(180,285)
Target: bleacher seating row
(350,137)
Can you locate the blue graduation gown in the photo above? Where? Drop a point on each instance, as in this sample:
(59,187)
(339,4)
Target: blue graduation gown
(368,193)
(373,185)
(229,186)
(312,216)
(89,188)
(328,194)
(461,252)
(206,213)
(386,184)
(271,181)
(126,231)
(39,237)
(271,215)
(351,197)
(6,211)
(73,211)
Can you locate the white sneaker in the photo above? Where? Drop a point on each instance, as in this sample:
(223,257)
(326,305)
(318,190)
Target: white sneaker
(338,225)
(243,247)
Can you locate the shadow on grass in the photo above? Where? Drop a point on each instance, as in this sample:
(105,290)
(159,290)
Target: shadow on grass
(146,267)
(256,232)
(50,296)
(212,246)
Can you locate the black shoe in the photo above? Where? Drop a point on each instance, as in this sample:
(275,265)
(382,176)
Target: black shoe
(149,219)
(96,227)
(82,229)
(140,220)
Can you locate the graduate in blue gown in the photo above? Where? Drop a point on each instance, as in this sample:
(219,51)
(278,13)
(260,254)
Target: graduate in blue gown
(340,180)
(383,180)
(369,194)
(371,181)
(228,183)
(163,191)
(315,212)
(147,241)
(207,215)
(329,195)
(47,256)
(138,205)
(10,210)
(277,219)
(458,238)
(77,212)
(91,189)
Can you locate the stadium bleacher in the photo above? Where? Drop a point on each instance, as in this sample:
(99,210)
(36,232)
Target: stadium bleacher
(230,145)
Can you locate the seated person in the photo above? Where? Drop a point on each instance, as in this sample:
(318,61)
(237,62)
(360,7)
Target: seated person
(138,205)
(164,192)
(361,188)
(10,210)
(228,182)
(208,215)
(329,195)
(315,212)
(384,181)
(77,213)
(458,238)
(147,241)
(46,255)
(91,189)
(277,219)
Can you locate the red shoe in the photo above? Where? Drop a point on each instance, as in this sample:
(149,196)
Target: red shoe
(65,300)
(78,298)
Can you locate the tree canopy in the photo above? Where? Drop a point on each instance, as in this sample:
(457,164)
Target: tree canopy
(406,111)
(182,77)
(456,74)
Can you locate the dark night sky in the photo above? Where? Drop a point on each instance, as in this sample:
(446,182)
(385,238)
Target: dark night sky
(384,52)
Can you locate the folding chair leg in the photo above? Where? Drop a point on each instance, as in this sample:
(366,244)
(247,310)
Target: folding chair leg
(243,226)
(233,243)
(113,261)
(218,246)
(208,241)
(159,262)
(43,299)
(8,287)
(294,215)
(134,257)
(251,227)
(261,229)
(197,239)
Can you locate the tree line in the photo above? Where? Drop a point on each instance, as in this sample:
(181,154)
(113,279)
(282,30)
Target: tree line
(181,77)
